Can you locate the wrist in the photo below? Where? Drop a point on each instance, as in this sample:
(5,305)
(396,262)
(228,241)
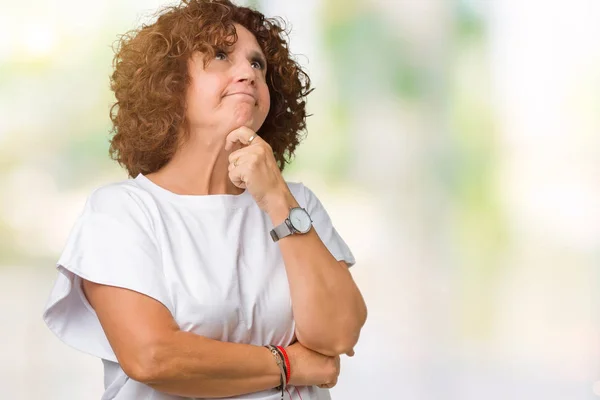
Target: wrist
(286,360)
(279,360)
(295,375)
(278,205)
(273,371)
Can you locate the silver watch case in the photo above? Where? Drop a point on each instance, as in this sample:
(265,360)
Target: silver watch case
(297,222)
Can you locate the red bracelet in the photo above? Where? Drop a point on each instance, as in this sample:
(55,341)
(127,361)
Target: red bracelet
(287,364)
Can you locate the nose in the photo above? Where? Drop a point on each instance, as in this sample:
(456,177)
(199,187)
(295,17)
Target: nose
(245,73)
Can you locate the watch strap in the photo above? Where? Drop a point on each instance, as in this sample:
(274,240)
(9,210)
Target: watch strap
(282,230)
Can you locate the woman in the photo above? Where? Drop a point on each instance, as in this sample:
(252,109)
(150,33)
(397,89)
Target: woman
(180,276)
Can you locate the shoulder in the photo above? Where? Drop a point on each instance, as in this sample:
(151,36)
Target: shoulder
(124,200)
(301,193)
(305,196)
(297,189)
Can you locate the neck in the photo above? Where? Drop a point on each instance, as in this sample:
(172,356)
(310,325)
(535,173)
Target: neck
(199,167)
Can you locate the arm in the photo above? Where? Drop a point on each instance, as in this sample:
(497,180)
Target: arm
(328,307)
(151,349)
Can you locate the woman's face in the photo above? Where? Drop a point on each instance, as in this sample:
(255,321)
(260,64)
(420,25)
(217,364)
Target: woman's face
(231,91)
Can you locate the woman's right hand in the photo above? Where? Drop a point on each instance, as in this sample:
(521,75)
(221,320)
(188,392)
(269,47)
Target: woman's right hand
(310,368)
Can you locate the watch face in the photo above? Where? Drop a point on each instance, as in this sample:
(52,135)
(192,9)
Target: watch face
(300,220)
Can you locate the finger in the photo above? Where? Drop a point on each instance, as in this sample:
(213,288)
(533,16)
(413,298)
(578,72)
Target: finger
(246,154)
(241,135)
(237,170)
(236,178)
(236,163)
(328,385)
(236,155)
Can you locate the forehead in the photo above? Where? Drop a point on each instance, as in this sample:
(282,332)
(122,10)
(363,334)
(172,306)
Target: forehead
(246,39)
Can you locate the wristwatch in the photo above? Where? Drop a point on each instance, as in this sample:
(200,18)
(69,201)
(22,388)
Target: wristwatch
(297,222)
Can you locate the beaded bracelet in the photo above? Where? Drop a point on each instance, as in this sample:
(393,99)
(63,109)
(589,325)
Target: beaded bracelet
(282,369)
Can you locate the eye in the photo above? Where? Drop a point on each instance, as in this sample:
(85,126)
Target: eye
(220,55)
(258,64)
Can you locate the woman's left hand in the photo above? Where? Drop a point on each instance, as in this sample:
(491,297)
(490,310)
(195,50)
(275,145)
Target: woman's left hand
(253,167)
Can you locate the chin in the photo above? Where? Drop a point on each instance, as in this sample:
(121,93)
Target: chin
(253,123)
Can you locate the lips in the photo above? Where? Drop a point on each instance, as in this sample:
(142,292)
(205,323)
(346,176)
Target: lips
(243,95)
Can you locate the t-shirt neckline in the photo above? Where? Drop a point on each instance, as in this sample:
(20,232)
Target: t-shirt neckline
(211,200)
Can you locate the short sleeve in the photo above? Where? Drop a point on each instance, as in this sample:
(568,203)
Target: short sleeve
(112,243)
(325,229)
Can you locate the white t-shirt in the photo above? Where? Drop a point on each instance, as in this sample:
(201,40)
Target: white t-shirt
(208,259)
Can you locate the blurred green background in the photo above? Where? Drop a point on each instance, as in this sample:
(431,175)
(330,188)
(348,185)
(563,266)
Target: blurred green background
(456,145)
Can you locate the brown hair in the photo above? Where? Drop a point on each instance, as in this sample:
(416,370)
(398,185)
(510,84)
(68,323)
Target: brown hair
(150,79)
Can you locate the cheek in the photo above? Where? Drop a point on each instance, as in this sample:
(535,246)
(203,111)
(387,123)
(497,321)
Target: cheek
(202,96)
(196,104)
(265,99)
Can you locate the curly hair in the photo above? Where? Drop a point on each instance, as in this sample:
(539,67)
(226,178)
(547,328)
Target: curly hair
(150,79)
